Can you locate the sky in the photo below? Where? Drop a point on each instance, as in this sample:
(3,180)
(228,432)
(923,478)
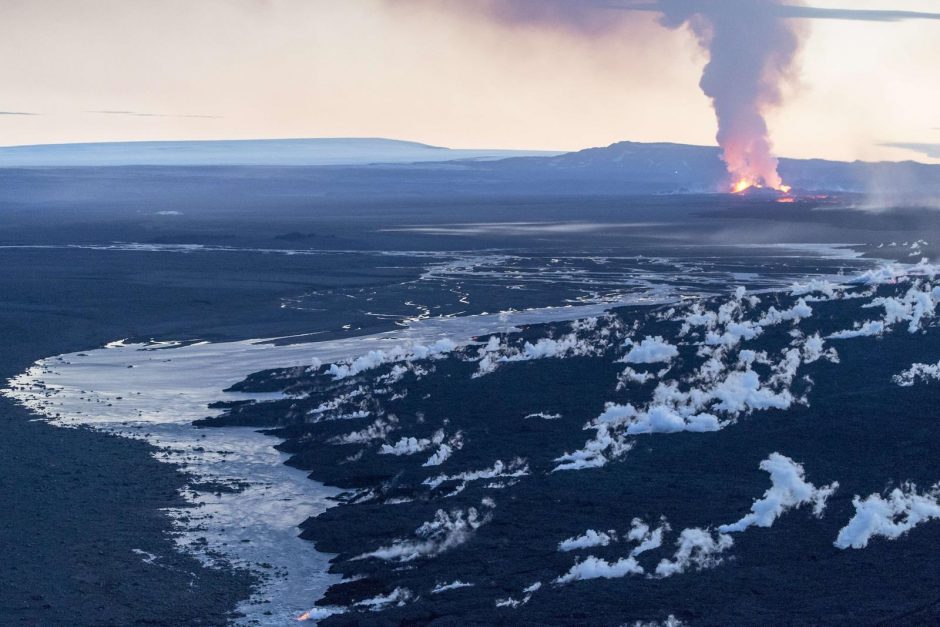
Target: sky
(437,72)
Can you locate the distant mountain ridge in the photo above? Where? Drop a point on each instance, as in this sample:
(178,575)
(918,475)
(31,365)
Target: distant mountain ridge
(621,168)
(667,167)
(244,152)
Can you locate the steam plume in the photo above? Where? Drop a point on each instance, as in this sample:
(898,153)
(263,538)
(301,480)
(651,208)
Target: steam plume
(751,54)
(752,48)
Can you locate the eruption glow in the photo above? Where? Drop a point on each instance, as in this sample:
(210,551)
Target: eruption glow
(742,185)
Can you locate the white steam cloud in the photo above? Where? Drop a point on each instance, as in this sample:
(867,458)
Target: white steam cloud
(889,517)
(588,539)
(651,350)
(789,489)
(446,531)
(702,548)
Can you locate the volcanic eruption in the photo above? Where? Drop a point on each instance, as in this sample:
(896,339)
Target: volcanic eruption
(751,46)
(752,53)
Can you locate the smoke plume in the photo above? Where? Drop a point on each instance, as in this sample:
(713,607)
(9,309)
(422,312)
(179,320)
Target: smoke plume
(751,55)
(751,45)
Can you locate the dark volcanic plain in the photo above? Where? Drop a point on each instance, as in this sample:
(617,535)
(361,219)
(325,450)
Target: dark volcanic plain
(859,428)
(79,503)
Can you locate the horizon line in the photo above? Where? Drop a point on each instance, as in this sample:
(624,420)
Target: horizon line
(898,145)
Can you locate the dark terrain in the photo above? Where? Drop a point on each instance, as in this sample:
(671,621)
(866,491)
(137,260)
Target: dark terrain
(859,428)
(79,502)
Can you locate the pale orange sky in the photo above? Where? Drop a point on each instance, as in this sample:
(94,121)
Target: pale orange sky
(329,68)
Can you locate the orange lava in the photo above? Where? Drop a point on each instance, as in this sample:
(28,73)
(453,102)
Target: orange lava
(304,616)
(742,186)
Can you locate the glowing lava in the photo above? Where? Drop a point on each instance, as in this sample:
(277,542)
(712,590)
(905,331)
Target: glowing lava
(304,616)
(744,184)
